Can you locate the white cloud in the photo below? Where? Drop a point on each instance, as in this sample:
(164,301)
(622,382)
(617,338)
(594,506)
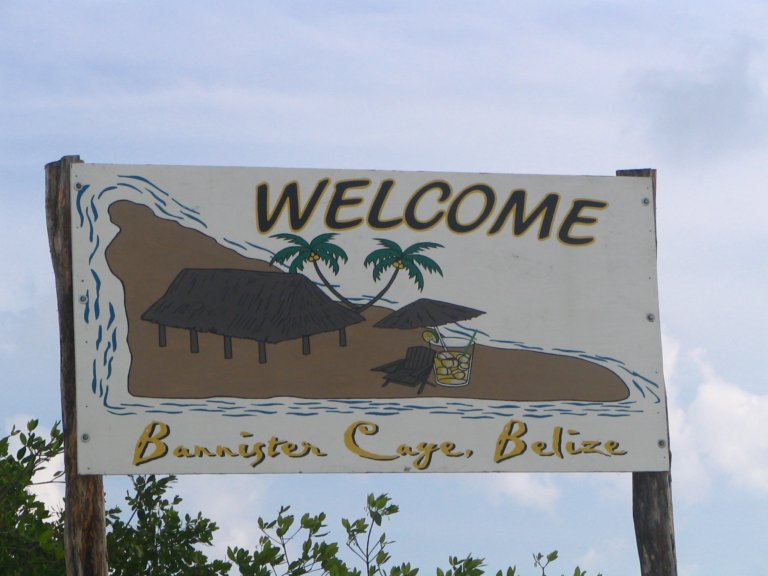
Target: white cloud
(729,423)
(233,502)
(717,432)
(528,490)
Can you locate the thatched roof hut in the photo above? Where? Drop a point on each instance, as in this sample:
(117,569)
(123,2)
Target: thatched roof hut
(262,306)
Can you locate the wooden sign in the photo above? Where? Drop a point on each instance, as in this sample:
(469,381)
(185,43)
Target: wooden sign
(246,320)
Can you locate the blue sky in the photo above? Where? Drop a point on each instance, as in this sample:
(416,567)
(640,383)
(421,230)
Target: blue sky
(576,87)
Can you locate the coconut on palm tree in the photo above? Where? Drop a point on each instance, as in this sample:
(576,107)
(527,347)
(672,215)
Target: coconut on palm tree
(392,256)
(319,249)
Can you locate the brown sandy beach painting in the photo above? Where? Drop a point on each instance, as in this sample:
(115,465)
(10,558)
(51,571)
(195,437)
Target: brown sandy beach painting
(205,321)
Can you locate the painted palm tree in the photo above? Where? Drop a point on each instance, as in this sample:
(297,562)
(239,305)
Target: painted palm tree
(319,249)
(391,255)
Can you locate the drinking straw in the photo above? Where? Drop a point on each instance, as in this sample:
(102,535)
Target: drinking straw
(471,341)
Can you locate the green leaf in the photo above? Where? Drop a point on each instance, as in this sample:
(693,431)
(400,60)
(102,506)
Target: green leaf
(552,556)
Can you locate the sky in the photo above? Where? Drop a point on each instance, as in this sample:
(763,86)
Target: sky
(561,87)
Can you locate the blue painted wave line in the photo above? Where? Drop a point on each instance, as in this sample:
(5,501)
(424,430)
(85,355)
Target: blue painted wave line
(461,333)
(164,211)
(195,219)
(216,410)
(131,186)
(639,387)
(252,245)
(371,296)
(228,241)
(93,209)
(337,411)
(90,224)
(142,179)
(230,415)
(505,406)
(263,404)
(608,358)
(379,413)
(581,403)
(165,412)
(106,351)
(109,368)
(307,403)
(606,415)
(78,202)
(98,338)
(303,413)
(458,404)
(471,329)
(502,414)
(136,404)
(96,301)
(93,379)
(182,404)
(101,387)
(374,403)
(346,401)
(216,401)
(159,200)
(478,417)
(658,400)
(106,403)
(537,416)
(107,189)
(447,412)
(95,249)
(636,375)
(184,206)
(111,315)
(568,351)
(120,413)
(260,411)
(420,407)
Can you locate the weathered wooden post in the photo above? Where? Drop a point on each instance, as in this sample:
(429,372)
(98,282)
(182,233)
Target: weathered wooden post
(84,520)
(652,492)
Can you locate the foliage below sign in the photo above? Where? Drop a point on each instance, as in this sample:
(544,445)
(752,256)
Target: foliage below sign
(295,320)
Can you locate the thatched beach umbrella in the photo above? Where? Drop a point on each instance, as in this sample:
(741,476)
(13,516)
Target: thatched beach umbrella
(268,307)
(423,313)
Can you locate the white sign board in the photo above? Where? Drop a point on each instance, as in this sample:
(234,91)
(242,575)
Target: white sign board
(241,320)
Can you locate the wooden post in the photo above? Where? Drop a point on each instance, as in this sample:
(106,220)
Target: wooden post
(85,540)
(194,341)
(652,491)
(227,347)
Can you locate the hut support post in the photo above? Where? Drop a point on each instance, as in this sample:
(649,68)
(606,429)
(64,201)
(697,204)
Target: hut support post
(85,537)
(262,352)
(194,342)
(342,337)
(305,345)
(228,347)
(652,491)
(161,336)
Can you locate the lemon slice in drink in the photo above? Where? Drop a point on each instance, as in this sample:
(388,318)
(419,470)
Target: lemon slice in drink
(430,337)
